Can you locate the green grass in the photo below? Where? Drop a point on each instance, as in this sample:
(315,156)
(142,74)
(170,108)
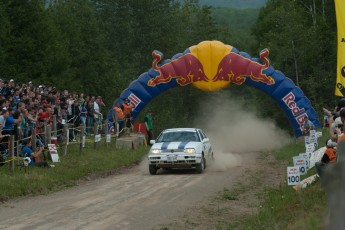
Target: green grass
(282,207)
(285,208)
(72,168)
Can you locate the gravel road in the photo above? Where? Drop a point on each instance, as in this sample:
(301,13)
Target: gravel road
(132,199)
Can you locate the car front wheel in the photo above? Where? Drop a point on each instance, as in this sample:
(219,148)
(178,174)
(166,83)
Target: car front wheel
(153,169)
(201,166)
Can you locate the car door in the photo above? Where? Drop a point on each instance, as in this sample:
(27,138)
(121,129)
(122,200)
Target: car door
(205,142)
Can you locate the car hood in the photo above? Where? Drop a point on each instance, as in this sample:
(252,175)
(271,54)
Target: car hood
(175,145)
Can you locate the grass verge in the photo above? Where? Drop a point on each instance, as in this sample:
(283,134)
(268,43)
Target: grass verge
(285,208)
(72,168)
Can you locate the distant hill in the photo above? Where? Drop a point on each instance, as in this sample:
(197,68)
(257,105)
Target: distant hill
(239,4)
(239,19)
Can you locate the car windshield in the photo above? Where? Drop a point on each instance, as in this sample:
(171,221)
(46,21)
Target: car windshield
(178,136)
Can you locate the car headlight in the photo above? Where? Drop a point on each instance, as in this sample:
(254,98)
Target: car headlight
(189,150)
(155,151)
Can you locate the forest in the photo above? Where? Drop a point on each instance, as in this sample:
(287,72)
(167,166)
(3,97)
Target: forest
(238,4)
(98,47)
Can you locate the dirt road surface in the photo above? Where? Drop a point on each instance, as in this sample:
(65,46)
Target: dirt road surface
(132,199)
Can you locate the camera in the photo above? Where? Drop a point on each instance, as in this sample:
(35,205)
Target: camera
(335,115)
(27,161)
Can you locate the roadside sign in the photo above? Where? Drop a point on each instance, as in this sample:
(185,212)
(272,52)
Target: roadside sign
(293,175)
(306,157)
(53,152)
(300,162)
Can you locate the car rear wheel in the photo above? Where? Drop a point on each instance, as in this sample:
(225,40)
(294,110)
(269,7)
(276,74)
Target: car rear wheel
(201,166)
(153,169)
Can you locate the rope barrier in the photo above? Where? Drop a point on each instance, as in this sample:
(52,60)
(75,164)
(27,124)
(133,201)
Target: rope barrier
(40,135)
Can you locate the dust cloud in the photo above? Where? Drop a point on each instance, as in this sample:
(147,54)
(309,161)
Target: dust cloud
(234,131)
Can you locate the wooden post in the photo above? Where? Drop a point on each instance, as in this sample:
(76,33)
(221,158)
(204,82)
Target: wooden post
(82,130)
(65,130)
(95,133)
(49,134)
(54,127)
(33,139)
(45,134)
(106,131)
(20,137)
(11,147)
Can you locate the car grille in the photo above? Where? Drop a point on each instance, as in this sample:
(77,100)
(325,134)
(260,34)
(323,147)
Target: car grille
(172,151)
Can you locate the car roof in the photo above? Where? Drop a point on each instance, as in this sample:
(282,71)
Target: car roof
(181,129)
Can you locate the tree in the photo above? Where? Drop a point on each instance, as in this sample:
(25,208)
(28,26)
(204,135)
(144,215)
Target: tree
(28,38)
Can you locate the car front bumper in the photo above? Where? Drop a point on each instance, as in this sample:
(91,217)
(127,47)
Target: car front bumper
(174,160)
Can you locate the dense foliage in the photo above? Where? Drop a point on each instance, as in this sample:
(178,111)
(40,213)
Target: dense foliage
(100,46)
(301,36)
(240,4)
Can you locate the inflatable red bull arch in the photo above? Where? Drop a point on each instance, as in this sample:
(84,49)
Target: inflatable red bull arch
(211,66)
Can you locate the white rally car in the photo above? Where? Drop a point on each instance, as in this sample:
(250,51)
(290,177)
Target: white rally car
(180,148)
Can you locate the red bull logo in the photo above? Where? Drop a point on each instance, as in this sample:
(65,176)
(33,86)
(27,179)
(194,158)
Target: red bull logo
(211,60)
(236,68)
(192,72)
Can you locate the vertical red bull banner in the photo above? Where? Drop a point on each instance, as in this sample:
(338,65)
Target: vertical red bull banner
(340,13)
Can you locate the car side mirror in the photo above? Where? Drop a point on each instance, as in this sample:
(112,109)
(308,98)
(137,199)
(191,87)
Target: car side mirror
(152,142)
(206,140)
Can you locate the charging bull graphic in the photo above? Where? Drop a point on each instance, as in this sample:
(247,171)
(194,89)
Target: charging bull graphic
(236,68)
(213,65)
(192,72)
(232,68)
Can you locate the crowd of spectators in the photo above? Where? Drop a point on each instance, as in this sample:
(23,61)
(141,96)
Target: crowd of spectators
(27,107)
(333,121)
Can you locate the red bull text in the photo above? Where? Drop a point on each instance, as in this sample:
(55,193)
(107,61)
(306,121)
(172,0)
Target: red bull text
(298,113)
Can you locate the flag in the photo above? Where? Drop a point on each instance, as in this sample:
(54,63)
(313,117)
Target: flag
(340,13)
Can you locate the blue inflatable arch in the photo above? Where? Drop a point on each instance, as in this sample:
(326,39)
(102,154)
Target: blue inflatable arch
(212,65)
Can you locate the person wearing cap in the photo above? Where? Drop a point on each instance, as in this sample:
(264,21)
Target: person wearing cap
(329,157)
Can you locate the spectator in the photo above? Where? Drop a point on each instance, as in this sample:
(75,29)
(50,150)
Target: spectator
(97,114)
(127,111)
(36,157)
(148,126)
(2,120)
(81,99)
(69,102)
(118,119)
(31,120)
(24,126)
(307,126)
(82,115)
(10,122)
(328,157)
(335,123)
(90,117)
(2,87)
